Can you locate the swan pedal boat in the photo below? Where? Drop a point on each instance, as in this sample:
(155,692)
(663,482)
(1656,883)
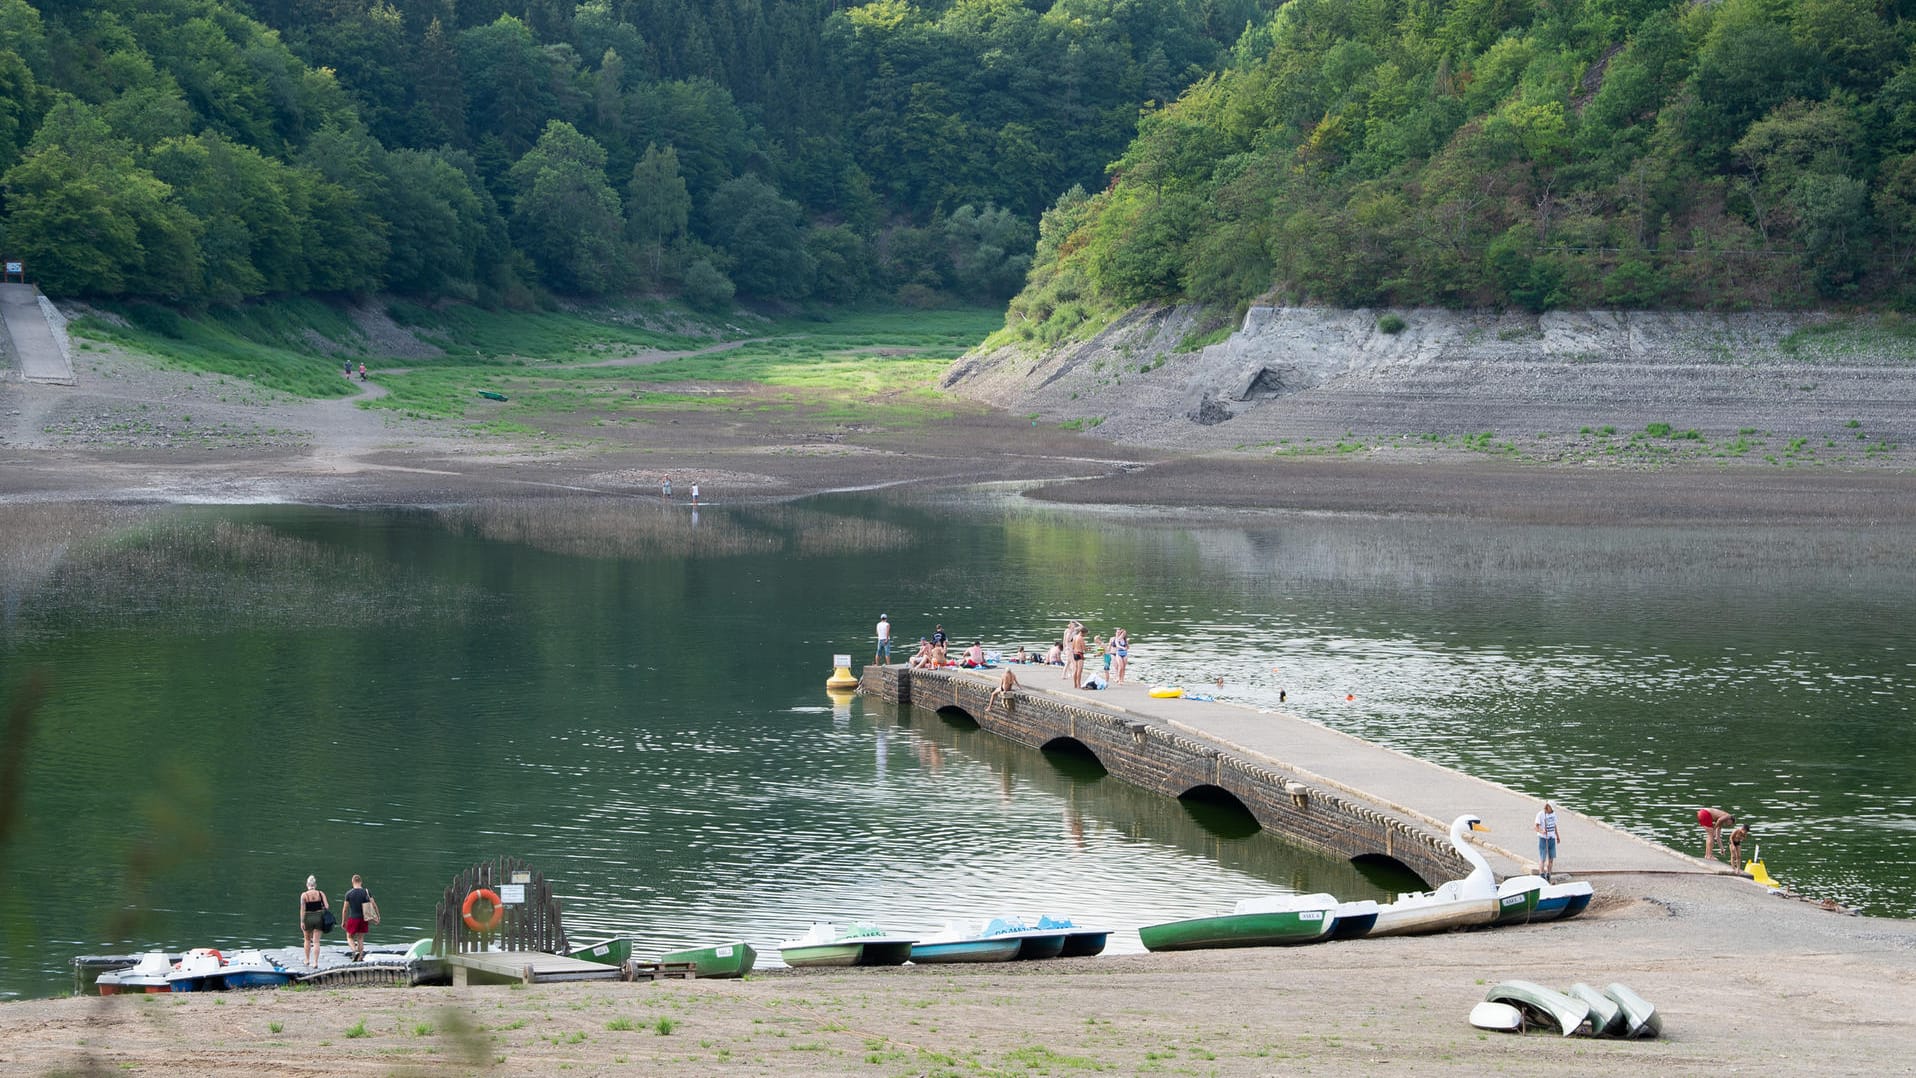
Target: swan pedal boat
(856,945)
(1464,903)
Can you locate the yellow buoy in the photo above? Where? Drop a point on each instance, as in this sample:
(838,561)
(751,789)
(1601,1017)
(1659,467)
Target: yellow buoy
(842,679)
(1762,875)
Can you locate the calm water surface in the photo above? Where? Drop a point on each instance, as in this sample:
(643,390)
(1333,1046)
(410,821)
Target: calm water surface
(632,700)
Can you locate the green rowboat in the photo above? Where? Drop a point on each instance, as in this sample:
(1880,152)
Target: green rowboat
(1246,928)
(718,961)
(609,952)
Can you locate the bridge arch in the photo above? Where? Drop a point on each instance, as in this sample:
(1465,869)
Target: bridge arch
(1220,811)
(1389,873)
(1080,758)
(958,716)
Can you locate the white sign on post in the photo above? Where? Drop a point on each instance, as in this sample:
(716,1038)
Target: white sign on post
(512,894)
(841,660)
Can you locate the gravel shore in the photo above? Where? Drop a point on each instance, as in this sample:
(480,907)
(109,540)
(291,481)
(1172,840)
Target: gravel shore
(1747,982)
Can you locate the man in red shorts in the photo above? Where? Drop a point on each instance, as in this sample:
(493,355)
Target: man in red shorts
(1713,821)
(359,902)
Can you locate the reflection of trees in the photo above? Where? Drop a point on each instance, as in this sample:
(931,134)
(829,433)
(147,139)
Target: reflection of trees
(186,569)
(591,527)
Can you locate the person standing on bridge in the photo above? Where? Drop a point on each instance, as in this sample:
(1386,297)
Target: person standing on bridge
(359,905)
(1546,840)
(883,655)
(1713,821)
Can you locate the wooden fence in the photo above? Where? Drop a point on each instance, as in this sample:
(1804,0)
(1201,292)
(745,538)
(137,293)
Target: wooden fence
(533,925)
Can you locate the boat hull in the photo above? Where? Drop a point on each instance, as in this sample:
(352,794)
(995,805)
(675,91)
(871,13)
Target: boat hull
(607,952)
(1084,944)
(257,978)
(1239,930)
(1515,909)
(976,950)
(721,961)
(1560,901)
(1606,1018)
(1536,1001)
(1640,1018)
(1428,917)
(848,953)
(1034,947)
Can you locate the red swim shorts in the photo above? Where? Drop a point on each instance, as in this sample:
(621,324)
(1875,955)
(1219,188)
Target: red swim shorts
(1704,819)
(355,926)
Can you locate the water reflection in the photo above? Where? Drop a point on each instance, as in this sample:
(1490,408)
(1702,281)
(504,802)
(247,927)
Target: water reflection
(633,705)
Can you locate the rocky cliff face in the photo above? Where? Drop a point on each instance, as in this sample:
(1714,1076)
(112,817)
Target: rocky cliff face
(1308,379)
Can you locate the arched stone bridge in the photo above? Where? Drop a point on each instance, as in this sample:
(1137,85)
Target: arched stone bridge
(1153,754)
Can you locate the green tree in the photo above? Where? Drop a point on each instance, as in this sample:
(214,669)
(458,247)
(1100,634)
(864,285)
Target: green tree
(565,215)
(657,205)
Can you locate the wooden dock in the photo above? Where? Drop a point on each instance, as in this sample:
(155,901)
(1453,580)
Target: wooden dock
(1337,793)
(525,967)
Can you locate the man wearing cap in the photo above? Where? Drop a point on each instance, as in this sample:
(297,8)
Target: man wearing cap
(883,656)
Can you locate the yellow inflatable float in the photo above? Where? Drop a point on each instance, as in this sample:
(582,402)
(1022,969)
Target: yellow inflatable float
(1168,692)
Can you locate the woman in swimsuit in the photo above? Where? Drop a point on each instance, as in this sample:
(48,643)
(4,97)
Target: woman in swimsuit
(1121,647)
(312,912)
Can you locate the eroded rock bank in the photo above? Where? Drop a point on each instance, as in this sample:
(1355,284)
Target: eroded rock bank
(1633,387)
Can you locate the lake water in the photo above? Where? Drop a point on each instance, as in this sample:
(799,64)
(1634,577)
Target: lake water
(632,700)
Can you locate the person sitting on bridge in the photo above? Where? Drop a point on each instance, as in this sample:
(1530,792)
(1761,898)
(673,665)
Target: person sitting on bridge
(1007,685)
(923,658)
(974,656)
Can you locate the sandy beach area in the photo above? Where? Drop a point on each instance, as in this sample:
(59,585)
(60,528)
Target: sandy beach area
(1748,981)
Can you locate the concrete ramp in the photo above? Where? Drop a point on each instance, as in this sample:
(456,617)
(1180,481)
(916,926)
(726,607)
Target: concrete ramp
(36,335)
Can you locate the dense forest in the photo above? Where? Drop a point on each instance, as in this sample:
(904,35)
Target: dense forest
(208,151)
(1605,153)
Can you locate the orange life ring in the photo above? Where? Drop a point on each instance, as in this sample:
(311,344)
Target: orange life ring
(498,911)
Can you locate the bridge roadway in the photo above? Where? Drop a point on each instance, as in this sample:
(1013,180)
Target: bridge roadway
(1420,796)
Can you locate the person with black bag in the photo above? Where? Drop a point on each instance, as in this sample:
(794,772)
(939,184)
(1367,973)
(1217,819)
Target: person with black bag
(314,913)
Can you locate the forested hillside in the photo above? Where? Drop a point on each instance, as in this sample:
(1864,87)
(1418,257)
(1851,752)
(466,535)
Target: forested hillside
(1616,153)
(212,150)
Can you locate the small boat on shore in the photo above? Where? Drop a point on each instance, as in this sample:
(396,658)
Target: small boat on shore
(1499,1017)
(1079,941)
(1464,903)
(1033,943)
(1640,1018)
(254,968)
(1517,899)
(856,945)
(717,962)
(1540,1004)
(1355,919)
(1606,1017)
(202,969)
(616,951)
(1561,901)
(960,941)
(148,975)
(1273,921)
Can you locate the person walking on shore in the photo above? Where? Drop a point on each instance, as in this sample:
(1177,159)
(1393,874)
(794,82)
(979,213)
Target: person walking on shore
(665,487)
(882,656)
(695,494)
(359,902)
(1546,840)
(312,918)
(1713,821)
